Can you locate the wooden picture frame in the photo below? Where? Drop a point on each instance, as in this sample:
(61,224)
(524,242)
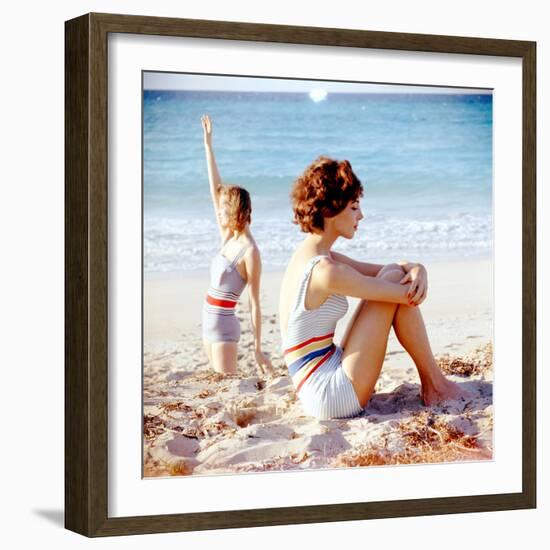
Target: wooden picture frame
(86,275)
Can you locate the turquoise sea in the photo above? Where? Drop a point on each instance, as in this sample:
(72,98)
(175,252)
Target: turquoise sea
(425,161)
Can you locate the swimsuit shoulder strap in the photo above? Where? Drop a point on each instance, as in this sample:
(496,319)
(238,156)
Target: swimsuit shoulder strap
(306,276)
(239,255)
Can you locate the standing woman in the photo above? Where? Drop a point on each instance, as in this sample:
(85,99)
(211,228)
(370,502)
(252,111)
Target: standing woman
(338,381)
(237,264)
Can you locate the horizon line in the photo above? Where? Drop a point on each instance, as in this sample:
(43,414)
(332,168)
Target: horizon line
(462,91)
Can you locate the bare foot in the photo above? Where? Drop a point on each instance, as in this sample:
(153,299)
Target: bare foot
(445,390)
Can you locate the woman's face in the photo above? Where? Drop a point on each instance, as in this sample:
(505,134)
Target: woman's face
(346,222)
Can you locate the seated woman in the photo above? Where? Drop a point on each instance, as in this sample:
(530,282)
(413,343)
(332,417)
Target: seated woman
(237,264)
(337,381)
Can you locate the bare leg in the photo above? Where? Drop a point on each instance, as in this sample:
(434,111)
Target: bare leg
(411,332)
(208,349)
(222,356)
(382,274)
(364,344)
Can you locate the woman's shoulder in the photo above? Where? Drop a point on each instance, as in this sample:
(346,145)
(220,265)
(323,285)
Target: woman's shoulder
(251,247)
(322,262)
(301,265)
(251,254)
(325,269)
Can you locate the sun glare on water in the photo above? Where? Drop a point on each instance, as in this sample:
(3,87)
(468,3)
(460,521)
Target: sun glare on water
(318,95)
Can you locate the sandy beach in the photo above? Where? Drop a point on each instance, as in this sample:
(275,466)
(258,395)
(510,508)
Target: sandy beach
(197,421)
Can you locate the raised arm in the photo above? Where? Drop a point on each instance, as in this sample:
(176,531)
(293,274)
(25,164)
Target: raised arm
(254,269)
(213,173)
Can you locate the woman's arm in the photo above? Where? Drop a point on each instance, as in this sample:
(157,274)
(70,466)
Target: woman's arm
(407,266)
(254,270)
(339,278)
(417,275)
(364,268)
(213,173)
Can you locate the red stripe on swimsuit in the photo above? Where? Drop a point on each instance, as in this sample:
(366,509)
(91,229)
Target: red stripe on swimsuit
(332,350)
(302,344)
(220,303)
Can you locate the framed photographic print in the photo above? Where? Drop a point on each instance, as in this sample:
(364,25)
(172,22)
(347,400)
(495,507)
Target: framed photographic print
(300,274)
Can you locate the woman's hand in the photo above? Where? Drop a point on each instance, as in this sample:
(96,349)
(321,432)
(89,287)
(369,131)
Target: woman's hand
(263,362)
(207,130)
(418,289)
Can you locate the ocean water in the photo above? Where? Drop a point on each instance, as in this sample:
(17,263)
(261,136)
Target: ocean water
(425,162)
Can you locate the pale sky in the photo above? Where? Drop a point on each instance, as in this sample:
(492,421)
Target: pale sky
(178,81)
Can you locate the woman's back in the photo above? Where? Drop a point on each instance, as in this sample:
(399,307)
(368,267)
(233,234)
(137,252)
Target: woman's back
(312,358)
(296,299)
(308,339)
(293,279)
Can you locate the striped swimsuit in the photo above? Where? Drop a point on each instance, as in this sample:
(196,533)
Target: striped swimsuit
(219,322)
(314,362)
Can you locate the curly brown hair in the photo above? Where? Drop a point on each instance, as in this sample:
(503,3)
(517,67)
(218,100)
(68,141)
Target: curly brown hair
(325,188)
(239,206)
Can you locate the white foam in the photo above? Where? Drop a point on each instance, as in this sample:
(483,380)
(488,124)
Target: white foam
(190,244)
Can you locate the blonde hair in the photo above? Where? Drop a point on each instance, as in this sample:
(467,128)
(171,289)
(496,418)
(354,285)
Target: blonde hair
(239,206)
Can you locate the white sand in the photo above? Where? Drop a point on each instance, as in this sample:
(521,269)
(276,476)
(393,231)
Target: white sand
(200,422)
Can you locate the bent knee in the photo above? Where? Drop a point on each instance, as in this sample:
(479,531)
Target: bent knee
(392,275)
(389,268)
